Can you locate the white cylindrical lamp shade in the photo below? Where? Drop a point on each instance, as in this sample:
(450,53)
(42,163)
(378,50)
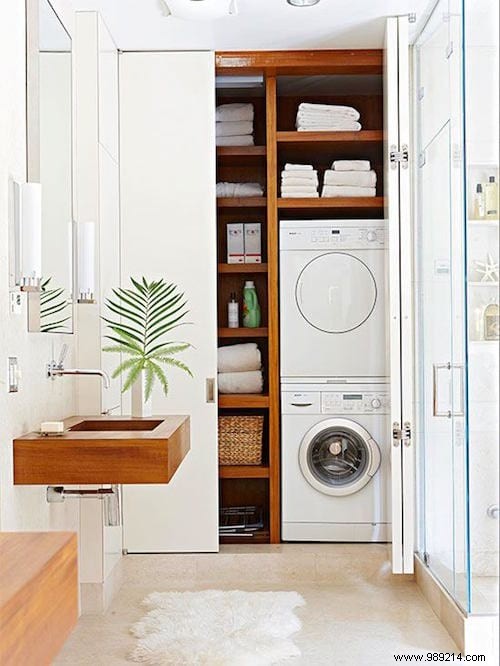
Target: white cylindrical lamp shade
(30,255)
(86,261)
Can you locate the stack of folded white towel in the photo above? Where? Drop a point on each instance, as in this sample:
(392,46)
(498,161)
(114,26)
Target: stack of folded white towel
(327,118)
(239,190)
(350,178)
(234,125)
(239,369)
(298,181)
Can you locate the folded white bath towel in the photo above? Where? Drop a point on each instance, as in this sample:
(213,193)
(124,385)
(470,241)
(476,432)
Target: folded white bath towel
(297,173)
(357,178)
(299,195)
(239,358)
(335,109)
(326,118)
(233,112)
(290,189)
(351,165)
(329,127)
(239,140)
(347,191)
(239,190)
(241,382)
(285,182)
(298,167)
(236,128)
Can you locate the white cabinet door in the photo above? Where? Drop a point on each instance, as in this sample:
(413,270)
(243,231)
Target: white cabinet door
(168,229)
(400,328)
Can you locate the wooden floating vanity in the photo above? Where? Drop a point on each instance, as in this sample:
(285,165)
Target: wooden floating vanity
(38,595)
(104,450)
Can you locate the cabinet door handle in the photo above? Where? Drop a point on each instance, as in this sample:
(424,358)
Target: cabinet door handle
(210,390)
(301,404)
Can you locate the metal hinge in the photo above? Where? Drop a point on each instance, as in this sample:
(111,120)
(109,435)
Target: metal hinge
(421,92)
(421,158)
(412,17)
(426,558)
(401,434)
(400,156)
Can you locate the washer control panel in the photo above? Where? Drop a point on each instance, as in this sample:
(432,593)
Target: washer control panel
(334,237)
(347,402)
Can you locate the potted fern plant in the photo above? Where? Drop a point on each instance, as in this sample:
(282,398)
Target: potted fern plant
(147,312)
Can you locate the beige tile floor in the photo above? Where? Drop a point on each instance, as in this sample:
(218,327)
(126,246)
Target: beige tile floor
(356,612)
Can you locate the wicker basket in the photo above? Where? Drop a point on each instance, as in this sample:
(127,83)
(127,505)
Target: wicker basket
(240,440)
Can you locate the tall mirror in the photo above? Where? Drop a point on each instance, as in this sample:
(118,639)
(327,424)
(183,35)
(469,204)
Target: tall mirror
(49,146)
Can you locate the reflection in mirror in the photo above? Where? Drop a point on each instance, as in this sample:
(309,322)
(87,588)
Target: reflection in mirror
(50,162)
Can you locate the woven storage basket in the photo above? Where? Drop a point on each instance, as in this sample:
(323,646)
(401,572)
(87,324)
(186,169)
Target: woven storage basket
(240,440)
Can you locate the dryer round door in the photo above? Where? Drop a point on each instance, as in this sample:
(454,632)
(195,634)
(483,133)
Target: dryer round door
(338,457)
(336,292)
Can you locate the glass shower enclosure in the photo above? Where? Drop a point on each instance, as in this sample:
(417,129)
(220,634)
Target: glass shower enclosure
(455,91)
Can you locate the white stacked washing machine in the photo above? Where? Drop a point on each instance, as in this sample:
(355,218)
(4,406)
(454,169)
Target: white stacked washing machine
(335,441)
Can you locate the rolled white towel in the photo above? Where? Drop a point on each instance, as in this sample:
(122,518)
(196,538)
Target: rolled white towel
(239,358)
(298,167)
(239,190)
(330,127)
(234,112)
(291,189)
(236,128)
(351,165)
(335,109)
(240,382)
(347,191)
(285,182)
(238,140)
(299,195)
(357,178)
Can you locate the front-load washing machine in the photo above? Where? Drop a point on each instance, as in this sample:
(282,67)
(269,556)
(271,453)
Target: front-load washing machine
(335,462)
(332,311)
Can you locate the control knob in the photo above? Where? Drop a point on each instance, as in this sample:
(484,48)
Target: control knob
(375,403)
(371,236)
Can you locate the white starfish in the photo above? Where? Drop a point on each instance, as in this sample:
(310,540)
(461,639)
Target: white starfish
(489,269)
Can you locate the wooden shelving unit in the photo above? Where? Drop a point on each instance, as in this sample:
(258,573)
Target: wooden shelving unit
(277,143)
(261,332)
(246,269)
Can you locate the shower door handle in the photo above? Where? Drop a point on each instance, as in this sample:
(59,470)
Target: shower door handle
(437,371)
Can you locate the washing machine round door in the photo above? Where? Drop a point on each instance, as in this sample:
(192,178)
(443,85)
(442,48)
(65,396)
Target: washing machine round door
(338,457)
(336,292)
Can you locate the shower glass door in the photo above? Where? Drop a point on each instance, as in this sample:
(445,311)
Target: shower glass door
(440,301)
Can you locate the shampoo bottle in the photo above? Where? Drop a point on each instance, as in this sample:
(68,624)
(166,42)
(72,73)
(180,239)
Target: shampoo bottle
(491,198)
(251,307)
(233,315)
(479,207)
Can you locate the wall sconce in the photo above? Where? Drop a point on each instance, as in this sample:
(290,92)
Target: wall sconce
(28,235)
(198,10)
(85,262)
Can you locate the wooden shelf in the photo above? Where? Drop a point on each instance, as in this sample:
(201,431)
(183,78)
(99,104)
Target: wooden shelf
(261,332)
(241,268)
(364,136)
(333,202)
(243,471)
(243,400)
(241,202)
(262,536)
(241,155)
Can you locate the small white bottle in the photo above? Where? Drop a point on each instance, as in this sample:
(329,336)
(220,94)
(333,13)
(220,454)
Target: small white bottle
(233,315)
(479,203)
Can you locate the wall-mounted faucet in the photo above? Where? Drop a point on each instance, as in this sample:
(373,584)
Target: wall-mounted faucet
(57,369)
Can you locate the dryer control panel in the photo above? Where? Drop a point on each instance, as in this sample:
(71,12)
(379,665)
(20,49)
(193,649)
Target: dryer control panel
(333,235)
(352,402)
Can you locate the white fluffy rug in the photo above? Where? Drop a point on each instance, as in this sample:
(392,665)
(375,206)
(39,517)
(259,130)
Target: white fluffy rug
(217,628)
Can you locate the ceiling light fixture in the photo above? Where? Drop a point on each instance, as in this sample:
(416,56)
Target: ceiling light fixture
(198,10)
(302,3)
